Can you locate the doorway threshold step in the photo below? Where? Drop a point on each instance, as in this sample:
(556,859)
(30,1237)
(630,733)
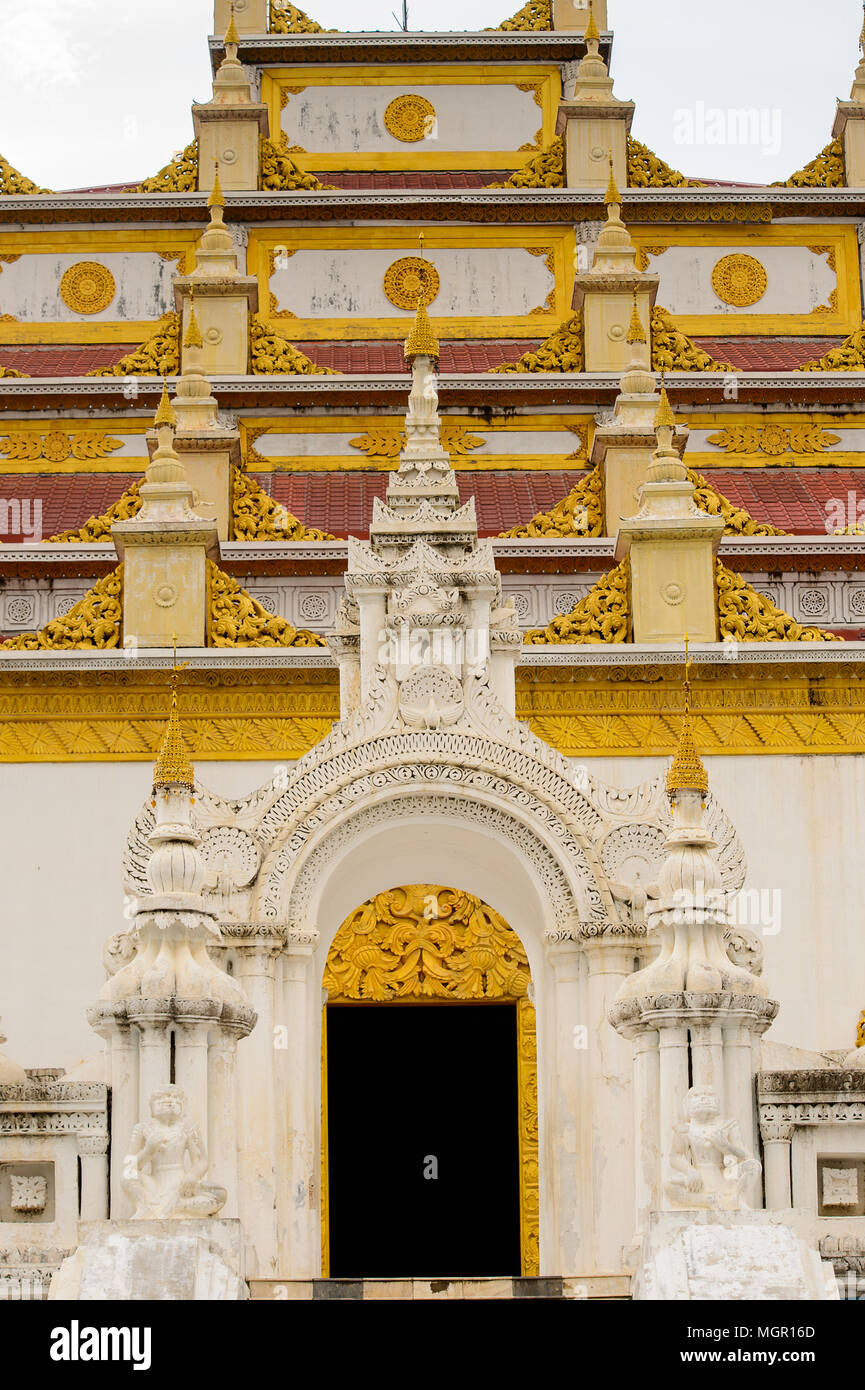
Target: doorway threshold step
(596,1286)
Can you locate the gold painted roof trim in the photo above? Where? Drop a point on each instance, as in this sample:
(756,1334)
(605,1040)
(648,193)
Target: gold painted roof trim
(273,355)
(581,513)
(159,355)
(173,766)
(647,170)
(562,352)
(7,373)
(288,19)
(180,175)
(545,170)
(849,357)
(13,183)
(94,622)
(279,173)
(674,351)
(535,15)
(737,522)
(257,517)
(236,619)
(746,616)
(98,529)
(603,616)
(826,170)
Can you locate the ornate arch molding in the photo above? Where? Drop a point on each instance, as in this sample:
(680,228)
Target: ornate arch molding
(572,884)
(395,947)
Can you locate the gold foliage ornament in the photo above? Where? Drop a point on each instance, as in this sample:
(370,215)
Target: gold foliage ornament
(13,183)
(426,942)
(7,373)
(288,19)
(562,352)
(746,616)
(158,356)
(826,170)
(273,355)
(94,622)
(411,281)
(536,15)
(581,513)
(774,439)
(674,351)
(280,174)
(98,528)
(389,443)
(257,517)
(647,170)
(849,357)
(87,288)
(236,619)
(56,446)
(604,615)
(410,118)
(180,175)
(737,522)
(546,170)
(739,280)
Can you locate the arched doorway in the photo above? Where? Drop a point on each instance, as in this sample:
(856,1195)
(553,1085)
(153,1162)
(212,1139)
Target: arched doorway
(443,1055)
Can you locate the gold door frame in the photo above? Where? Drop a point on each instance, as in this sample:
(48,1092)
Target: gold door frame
(431,944)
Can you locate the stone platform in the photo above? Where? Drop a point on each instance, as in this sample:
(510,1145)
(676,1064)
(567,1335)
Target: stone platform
(610,1286)
(137,1261)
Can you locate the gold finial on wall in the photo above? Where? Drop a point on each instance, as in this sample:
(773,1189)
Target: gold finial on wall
(687,772)
(173,766)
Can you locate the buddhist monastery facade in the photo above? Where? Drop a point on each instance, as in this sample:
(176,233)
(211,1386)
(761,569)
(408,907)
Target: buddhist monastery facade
(391,486)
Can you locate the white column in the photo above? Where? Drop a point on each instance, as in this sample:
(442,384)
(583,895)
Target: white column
(93,1152)
(777,1141)
(647,1092)
(154,1061)
(190,1069)
(222,1132)
(673,1087)
(257,1097)
(124,1110)
(707,1056)
(298,1123)
(611,1063)
(566,1241)
(372,609)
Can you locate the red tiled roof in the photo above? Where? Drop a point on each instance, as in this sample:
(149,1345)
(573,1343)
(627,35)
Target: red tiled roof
(63,361)
(430,178)
(797,500)
(767,354)
(372,358)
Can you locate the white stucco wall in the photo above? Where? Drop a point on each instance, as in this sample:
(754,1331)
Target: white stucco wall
(494,116)
(798,279)
(30,288)
(802,822)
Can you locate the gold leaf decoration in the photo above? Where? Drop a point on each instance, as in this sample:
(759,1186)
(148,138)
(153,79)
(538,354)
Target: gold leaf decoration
(424,941)
(604,615)
(288,19)
(535,15)
(774,439)
(849,357)
(158,356)
(236,619)
(389,443)
(180,175)
(410,118)
(581,513)
(647,170)
(7,373)
(88,287)
(674,351)
(826,170)
(13,183)
(56,446)
(644,252)
(747,616)
(546,170)
(93,622)
(272,355)
(98,528)
(739,280)
(737,522)
(562,352)
(279,173)
(410,281)
(257,517)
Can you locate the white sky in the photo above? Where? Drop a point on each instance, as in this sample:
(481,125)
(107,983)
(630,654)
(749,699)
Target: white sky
(98,91)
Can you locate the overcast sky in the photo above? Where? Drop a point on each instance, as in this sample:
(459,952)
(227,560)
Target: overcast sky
(98,91)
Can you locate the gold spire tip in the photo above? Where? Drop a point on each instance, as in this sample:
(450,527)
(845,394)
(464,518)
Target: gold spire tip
(687,772)
(165,414)
(592,33)
(173,766)
(192,338)
(665,417)
(635,330)
(422,341)
(231,34)
(612,194)
(217,197)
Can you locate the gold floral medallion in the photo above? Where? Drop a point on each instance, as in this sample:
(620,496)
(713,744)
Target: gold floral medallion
(410,118)
(739,280)
(87,288)
(409,281)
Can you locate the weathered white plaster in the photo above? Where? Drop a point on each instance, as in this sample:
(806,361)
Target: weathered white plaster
(351,119)
(30,288)
(798,279)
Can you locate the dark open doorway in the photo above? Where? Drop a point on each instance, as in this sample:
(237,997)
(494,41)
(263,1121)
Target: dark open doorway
(423,1141)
